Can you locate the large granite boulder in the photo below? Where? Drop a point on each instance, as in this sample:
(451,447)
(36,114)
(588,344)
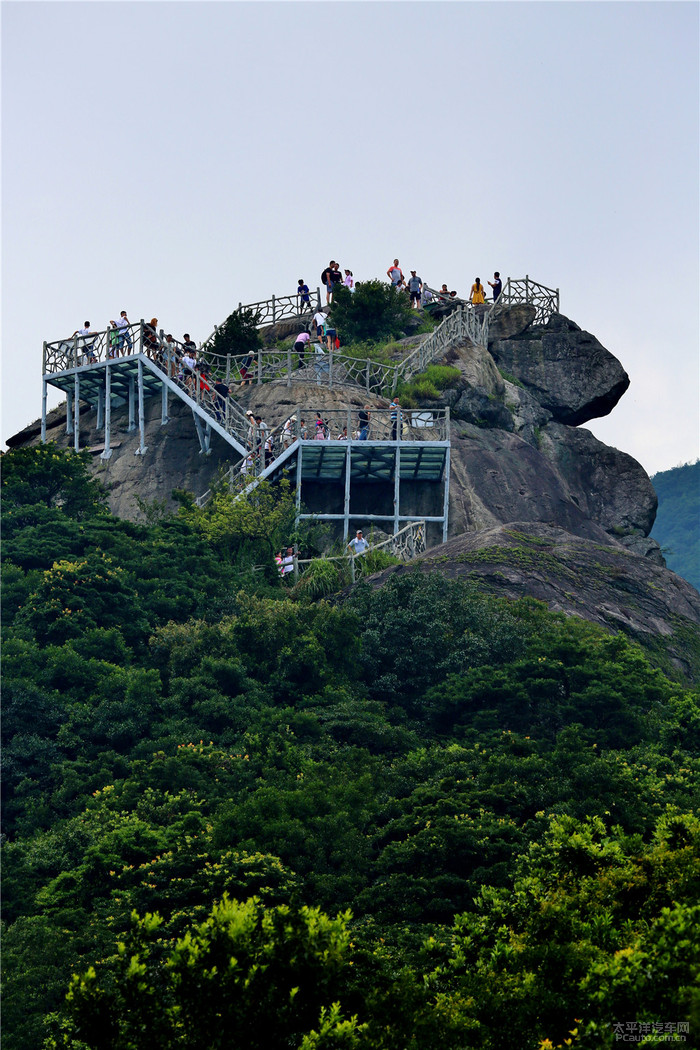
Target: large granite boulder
(608,485)
(568,371)
(505,322)
(498,477)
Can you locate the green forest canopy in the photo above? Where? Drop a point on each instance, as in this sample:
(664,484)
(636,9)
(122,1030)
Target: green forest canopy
(418,817)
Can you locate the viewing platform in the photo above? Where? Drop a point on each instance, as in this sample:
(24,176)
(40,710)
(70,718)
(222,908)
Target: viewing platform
(381,475)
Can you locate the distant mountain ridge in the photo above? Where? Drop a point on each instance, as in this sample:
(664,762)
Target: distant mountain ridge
(677,525)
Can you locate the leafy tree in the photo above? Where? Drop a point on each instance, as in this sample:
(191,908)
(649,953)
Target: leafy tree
(597,929)
(51,477)
(247,976)
(238,334)
(374,311)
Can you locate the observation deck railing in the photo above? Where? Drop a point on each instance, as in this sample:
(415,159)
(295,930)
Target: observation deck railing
(413,424)
(525,290)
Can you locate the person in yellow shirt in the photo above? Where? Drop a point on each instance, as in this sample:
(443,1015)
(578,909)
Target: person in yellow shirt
(477,297)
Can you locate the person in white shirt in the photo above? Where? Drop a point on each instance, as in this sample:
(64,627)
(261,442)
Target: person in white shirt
(87,343)
(124,333)
(359,544)
(287,563)
(288,436)
(320,322)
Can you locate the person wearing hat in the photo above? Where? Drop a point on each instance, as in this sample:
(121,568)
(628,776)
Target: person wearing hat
(288,432)
(250,436)
(359,544)
(415,287)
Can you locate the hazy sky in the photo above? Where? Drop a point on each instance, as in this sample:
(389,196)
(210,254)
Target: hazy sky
(174,159)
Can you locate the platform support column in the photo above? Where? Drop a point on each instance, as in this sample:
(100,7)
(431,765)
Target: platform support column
(446,497)
(44,387)
(132,405)
(76,413)
(164,405)
(346,504)
(69,412)
(142,449)
(107,451)
(100,408)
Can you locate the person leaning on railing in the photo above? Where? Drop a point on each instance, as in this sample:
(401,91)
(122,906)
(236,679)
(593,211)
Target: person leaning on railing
(150,338)
(87,343)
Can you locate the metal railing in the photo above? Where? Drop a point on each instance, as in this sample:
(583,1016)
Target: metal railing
(465,322)
(266,446)
(406,544)
(525,290)
(317,365)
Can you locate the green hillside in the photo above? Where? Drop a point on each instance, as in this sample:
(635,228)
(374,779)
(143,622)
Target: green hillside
(235,816)
(677,525)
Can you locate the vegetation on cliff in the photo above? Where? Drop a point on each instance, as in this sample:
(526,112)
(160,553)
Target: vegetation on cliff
(421,817)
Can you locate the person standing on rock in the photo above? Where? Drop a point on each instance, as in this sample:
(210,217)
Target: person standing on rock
(497,285)
(415,287)
(477,297)
(395,274)
(336,278)
(326,280)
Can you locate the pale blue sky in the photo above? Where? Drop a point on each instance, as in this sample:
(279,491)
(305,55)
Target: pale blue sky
(173,159)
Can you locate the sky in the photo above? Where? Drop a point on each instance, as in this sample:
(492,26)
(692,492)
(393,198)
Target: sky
(174,159)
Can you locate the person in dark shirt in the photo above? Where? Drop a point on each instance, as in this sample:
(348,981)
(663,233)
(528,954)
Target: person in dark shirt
(363,421)
(303,296)
(326,280)
(497,285)
(222,392)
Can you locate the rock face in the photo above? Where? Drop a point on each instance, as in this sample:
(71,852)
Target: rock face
(567,370)
(594,578)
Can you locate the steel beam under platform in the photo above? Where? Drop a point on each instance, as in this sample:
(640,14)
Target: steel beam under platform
(128,381)
(374,462)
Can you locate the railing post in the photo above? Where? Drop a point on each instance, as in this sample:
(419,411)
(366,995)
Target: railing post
(228,369)
(140,350)
(527,288)
(75,351)
(289,366)
(318,298)
(330,370)
(43,360)
(367,381)
(274,312)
